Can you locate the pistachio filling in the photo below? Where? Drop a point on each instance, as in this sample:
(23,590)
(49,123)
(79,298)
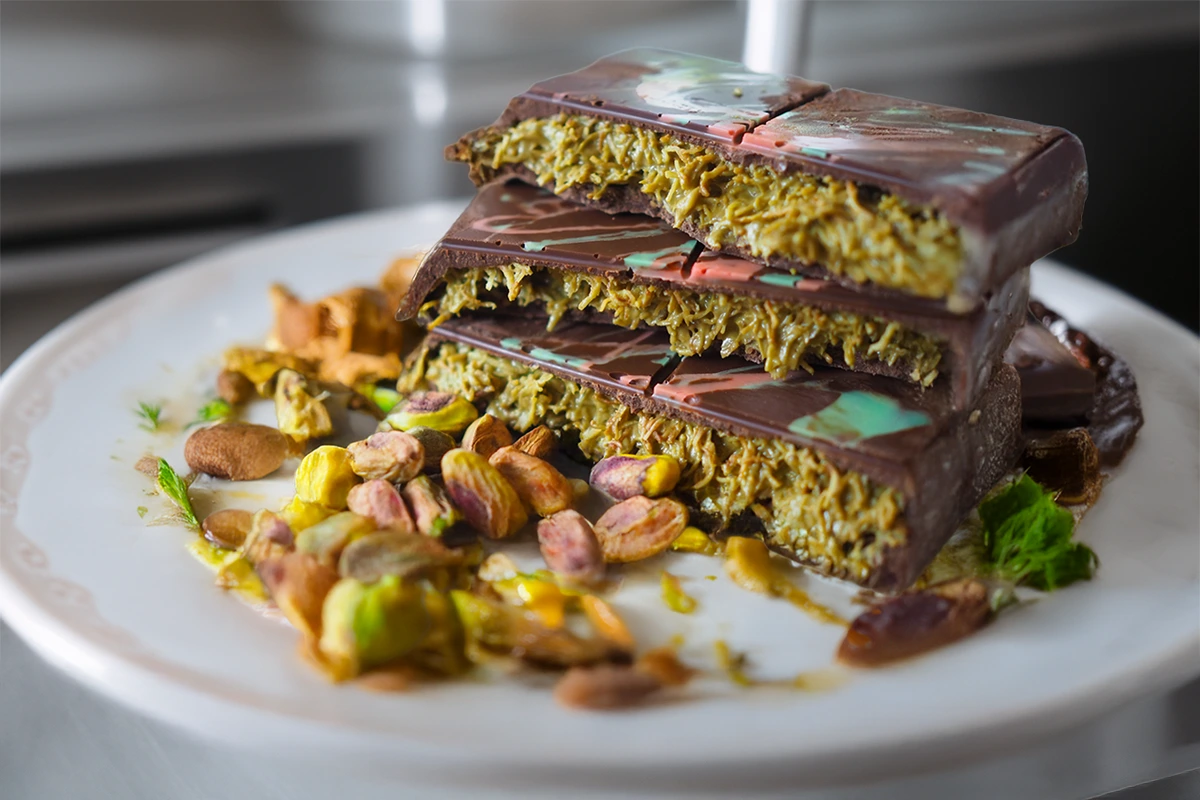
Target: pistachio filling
(851,230)
(786,335)
(839,522)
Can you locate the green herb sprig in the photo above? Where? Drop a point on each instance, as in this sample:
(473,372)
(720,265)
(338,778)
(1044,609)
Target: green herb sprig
(151,413)
(1027,537)
(176,490)
(216,410)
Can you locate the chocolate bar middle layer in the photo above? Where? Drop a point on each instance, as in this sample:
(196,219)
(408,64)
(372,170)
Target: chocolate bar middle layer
(519,248)
(859,477)
(933,201)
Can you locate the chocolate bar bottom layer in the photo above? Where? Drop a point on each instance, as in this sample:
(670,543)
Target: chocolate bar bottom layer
(837,521)
(853,231)
(781,336)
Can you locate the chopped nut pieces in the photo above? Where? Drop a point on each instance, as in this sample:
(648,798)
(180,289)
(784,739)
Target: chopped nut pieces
(639,528)
(486,435)
(539,485)
(388,455)
(569,546)
(487,501)
(622,477)
(236,451)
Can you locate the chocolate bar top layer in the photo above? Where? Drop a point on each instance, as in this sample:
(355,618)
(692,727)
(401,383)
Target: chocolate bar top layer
(895,434)
(1014,189)
(516,223)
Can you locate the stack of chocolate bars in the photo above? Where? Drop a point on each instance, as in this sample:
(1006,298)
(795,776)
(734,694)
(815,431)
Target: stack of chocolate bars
(803,294)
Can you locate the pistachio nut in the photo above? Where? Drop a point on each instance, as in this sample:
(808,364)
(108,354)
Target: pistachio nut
(298,583)
(605,687)
(539,442)
(433,513)
(364,625)
(234,387)
(486,435)
(406,555)
(438,410)
(388,455)
(538,484)
(329,537)
(639,527)
(436,445)
(269,536)
(748,564)
(569,546)
(625,476)
(326,476)
(298,412)
(378,501)
(694,540)
(236,451)
(487,501)
(227,528)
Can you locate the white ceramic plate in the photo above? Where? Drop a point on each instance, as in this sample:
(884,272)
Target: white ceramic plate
(122,606)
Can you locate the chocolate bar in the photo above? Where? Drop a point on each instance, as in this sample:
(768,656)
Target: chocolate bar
(929,200)
(859,477)
(1068,379)
(519,249)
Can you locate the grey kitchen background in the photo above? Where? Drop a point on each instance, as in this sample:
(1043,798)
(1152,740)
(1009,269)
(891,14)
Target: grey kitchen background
(136,134)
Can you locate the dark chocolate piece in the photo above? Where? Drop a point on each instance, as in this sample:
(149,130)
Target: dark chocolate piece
(1015,190)
(1115,413)
(1055,387)
(942,462)
(515,223)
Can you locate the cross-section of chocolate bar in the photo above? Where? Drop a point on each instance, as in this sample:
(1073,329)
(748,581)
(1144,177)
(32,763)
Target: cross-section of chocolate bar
(929,200)
(519,249)
(856,476)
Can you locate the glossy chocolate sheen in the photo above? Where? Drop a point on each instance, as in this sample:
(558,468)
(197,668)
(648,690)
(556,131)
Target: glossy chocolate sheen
(516,223)
(896,434)
(1055,387)
(1015,189)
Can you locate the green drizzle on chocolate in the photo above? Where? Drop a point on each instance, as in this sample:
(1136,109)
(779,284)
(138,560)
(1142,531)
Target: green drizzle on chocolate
(866,236)
(787,336)
(838,521)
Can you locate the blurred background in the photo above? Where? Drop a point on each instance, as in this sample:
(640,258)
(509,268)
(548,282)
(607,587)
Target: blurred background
(136,134)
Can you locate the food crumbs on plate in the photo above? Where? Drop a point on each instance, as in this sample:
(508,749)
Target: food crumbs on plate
(749,564)
(710,577)
(820,680)
(731,663)
(142,511)
(674,596)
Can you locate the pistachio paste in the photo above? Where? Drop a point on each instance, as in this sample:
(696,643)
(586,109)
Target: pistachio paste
(859,232)
(839,521)
(787,336)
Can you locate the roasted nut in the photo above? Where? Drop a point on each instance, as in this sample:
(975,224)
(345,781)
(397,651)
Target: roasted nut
(261,366)
(915,622)
(539,442)
(298,583)
(366,625)
(326,476)
(269,537)
(487,501)
(639,527)
(370,557)
(298,412)
(538,484)
(605,687)
(569,546)
(234,387)
(486,435)
(329,537)
(388,455)
(748,564)
(236,451)
(622,477)
(227,528)
(432,511)
(299,514)
(436,445)
(379,501)
(694,540)
(444,412)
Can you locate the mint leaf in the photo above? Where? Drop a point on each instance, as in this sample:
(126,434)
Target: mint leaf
(1027,538)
